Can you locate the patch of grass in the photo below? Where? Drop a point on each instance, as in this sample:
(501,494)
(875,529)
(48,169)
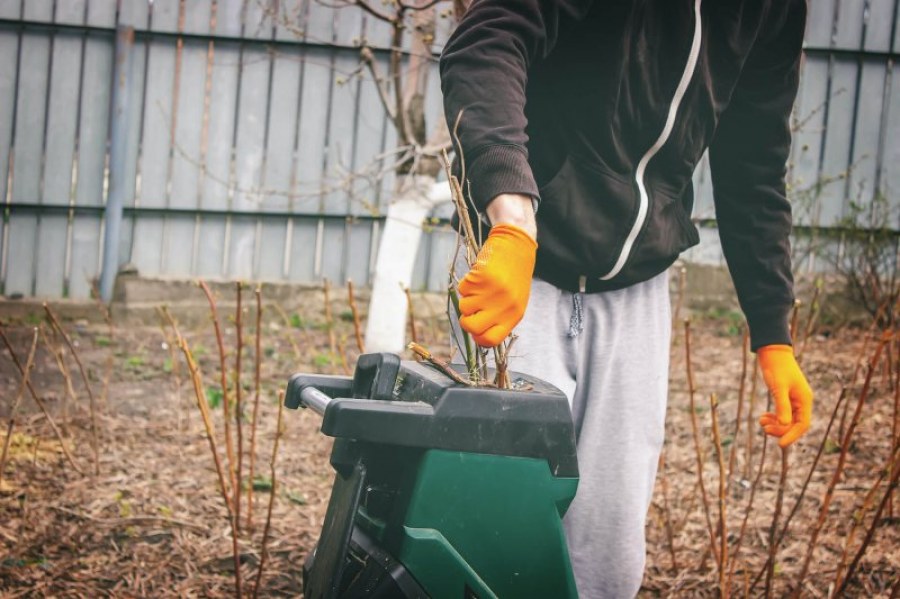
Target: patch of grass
(167,365)
(297,498)
(262,483)
(297,321)
(322,360)
(213,397)
(134,361)
(101,341)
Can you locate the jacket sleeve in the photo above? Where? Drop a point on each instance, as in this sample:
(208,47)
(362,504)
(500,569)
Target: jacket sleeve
(484,72)
(748,159)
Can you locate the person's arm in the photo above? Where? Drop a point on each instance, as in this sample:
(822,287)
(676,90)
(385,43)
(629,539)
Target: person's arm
(484,72)
(748,158)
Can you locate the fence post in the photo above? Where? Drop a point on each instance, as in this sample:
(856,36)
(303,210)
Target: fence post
(122,73)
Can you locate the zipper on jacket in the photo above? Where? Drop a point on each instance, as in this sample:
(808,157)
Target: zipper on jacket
(657,146)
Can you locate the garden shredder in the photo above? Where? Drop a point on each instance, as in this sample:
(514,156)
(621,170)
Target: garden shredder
(441,489)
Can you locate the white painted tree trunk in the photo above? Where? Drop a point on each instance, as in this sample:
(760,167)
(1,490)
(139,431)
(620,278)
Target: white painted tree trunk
(416,197)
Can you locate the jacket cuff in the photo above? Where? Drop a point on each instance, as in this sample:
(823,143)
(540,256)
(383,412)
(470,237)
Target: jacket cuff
(769,326)
(500,169)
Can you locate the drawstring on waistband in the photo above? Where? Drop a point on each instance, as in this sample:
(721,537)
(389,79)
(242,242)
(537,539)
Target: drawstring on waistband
(576,322)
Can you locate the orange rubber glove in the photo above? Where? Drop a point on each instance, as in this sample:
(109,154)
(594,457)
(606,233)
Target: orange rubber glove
(493,295)
(791,393)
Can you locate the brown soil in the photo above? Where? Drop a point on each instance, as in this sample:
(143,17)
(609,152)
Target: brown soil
(153,522)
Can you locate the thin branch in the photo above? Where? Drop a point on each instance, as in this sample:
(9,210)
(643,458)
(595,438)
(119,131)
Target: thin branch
(439,364)
(87,384)
(238,404)
(200,396)
(265,539)
(26,375)
(696,434)
(357,327)
(723,530)
(257,357)
(368,58)
(40,403)
(223,373)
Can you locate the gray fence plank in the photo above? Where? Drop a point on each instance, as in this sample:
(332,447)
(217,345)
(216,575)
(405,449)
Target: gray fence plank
(91,167)
(348,28)
(9,60)
(359,243)
(320,22)
(806,150)
(58,156)
(291,20)
(333,243)
(868,127)
(197,16)
(165,15)
(890,177)
(850,23)
(71,12)
(156,140)
(29,138)
(879,25)
(222,105)
(304,234)
(339,165)
(704,207)
(102,13)
(313,126)
(249,152)
(370,123)
(836,158)
(819,23)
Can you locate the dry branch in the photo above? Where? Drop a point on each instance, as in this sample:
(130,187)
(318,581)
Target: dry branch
(264,551)
(697,448)
(238,403)
(26,375)
(200,395)
(257,357)
(223,374)
(357,328)
(40,403)
(723,530)
(87,384)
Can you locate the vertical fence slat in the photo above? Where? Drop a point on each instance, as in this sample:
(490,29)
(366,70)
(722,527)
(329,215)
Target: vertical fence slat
(312,136)
(291,20)
(836,157)
(186,159)
(819,22)
(156,138)
(806,149)
(285,97)
(849,27)
(879,25)
(890,177)
(91,168)
(59,154)
(249,147)
(9,61)
(28,146)
(867,132)
(222,103)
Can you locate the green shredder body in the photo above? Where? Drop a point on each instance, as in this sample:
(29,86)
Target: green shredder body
(441,489)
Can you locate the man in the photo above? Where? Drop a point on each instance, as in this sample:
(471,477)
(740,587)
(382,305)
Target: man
(582,123)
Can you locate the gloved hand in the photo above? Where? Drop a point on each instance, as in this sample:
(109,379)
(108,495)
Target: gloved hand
(791,393)
(494,293)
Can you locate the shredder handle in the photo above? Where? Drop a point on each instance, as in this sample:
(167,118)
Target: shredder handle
(315,400)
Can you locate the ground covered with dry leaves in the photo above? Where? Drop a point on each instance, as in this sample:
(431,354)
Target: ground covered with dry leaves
(152,521)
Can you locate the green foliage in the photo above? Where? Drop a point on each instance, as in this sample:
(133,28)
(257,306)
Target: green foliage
(297,498)
(213,397)
(831,447)
(346,316)
(262,483)
(199,350)
(322,360)
(167,365)
(102,341)
(297,322)
(134,361)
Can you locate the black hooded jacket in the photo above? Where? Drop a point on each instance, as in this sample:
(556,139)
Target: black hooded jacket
(602,109)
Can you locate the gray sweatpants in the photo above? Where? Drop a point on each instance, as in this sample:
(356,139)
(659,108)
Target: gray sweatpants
(609,353)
